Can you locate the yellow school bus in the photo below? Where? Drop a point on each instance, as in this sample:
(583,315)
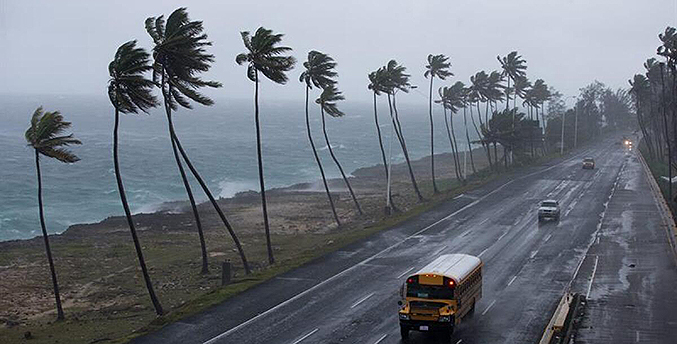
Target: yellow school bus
(441,294)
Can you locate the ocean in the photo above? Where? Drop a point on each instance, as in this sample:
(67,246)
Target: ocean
(220,141)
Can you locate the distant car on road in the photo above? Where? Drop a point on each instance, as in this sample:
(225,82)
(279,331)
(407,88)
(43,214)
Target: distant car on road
(589,163)
(549,209)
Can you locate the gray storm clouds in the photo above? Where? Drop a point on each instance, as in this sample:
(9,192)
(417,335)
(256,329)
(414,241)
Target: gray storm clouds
(64,47)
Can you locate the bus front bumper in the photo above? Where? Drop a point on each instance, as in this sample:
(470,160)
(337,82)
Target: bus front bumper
(426,325)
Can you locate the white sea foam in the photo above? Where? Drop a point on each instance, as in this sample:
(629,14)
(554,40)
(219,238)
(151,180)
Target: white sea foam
(228,188)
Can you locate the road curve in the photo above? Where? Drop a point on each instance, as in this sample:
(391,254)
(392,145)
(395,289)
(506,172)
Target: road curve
(350,296)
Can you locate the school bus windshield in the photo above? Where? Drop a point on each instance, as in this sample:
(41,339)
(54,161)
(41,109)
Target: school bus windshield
(430,291)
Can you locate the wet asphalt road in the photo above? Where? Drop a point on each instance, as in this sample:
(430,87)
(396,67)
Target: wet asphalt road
(350,296)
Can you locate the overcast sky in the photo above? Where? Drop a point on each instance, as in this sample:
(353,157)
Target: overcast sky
(64,47)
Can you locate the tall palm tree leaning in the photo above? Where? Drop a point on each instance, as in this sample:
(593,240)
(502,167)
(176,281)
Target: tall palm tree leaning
(398,80)
(179,55)
(452,98)
(437,67)
(129,91)
(377,80)
(45,137)
(327,101)
(266,56)
(319,72)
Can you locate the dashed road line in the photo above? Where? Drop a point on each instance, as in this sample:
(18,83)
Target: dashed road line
(459,341)
(438,251)
(592,277)
(548,238)
(512,280)
(404,273)
(361,300)
(533,254)
(381,339)
(459,196)
(306,336)
(485,250)
(490,305)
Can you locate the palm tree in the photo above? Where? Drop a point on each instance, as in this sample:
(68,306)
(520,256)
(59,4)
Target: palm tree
(45,137)
(640,89)
(319,72)
(130,92)
(179,55)
(327,101)
(466,103)
(398,80)
(477,93)
(377,80)
(266,56)
(513,67)
(452,99)
(437,67)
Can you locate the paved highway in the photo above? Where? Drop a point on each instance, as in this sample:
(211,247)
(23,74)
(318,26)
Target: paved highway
(350,296)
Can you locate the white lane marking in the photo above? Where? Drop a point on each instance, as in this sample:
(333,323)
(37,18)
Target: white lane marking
(415,235)
(594,270)
(381,339)
(306,336)
(438,251)
(459,341)
(404,273)
(548,237)
(483,222)
(361,300)
(502,235)
(490,305)
(533,254)
(637,336)
(512,280)
(294,279)
(459,196)
(485,250)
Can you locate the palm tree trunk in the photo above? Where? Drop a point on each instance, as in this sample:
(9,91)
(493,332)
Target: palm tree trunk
(264,205)
(400,136)
(45,236)
(451,143)
(432,142)
(130,222)
(484,144)
(203,185)
(380,143)
(333,157)
(455,146)
(319,163)
(467,138)
(507,94)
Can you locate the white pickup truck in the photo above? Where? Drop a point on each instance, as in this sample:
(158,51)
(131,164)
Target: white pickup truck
(548,209)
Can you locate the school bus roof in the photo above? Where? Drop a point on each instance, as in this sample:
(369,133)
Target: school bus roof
(456,266)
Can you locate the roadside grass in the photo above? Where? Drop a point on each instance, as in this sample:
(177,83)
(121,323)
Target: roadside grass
(170,255)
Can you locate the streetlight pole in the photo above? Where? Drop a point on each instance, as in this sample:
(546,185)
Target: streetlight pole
(576,126)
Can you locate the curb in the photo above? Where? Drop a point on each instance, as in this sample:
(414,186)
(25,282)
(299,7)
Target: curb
(666,213)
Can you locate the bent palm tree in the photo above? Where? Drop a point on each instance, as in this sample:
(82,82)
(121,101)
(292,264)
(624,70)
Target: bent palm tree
(266,56)
(398,80)
(451,98)
(466,103)
(437,67)
(377,81)
(319,73)
(45,137)
(327,101)
(179,54)
(130,92)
